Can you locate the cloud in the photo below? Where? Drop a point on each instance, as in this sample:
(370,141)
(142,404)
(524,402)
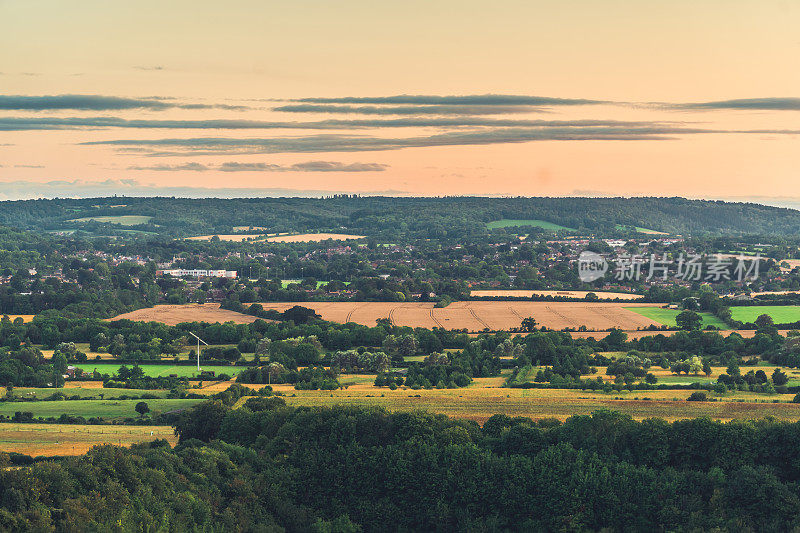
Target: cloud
(481,99)
(407,110)
(363,143)
(196,167)
(88,102)
(28,166)
(770,104)
(22,190)
(55,123)
(154,67)
(308,166)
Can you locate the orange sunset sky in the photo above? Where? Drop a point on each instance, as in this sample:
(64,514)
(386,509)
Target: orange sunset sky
(692,98)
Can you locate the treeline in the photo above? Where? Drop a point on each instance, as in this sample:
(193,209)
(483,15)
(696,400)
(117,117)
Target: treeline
(268,467)
(451,217)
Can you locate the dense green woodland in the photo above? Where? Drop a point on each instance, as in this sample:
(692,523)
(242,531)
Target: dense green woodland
(386,217)
(268,467)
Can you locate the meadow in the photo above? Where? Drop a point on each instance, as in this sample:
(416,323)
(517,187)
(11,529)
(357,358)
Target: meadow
(781,314)
(53,439)
(108,409)
(182,371)
(507,222)
(667,316)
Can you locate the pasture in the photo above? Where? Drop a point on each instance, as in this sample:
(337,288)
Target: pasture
(667,316)
(781,314)
(108,409)
(182,371)
(122,220)
(73,439)
(509,223)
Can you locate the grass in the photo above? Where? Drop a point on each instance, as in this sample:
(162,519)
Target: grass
(108,409)
(59,439)
(667,316)
(183,371)
(82,391)
(506,222)
(122,220)
(781,314)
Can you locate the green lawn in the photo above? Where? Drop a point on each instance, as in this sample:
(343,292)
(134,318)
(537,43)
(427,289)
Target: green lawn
(122,220)
(667,316)
(781,314)
(506,222)
(91,408)
(162,370)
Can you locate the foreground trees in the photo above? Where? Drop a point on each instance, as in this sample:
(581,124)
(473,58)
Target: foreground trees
(268,467)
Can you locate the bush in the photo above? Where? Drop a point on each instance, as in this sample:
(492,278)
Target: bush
(697,396)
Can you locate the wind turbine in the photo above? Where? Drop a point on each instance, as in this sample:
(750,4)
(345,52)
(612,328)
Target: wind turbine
(199,340)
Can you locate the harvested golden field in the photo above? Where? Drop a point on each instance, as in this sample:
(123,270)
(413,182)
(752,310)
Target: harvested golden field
(479,403)
(476,316)
(520,293)
(233,238)
(25,318)
(175,314)
(315,237)
(71,439)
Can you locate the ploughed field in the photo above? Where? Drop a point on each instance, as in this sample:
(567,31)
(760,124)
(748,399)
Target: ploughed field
(476,316)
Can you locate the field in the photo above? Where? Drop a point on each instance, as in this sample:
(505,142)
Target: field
(109,409)
(476,316)
(233,238)
(521,293)
(781,314)
(63,439)
(183,371)
(480,403)
(25,318)
(315,237)
(667,316)
(122,220)
(175,314)
(506,222)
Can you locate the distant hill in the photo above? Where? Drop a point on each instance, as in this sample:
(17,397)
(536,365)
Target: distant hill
(387,217)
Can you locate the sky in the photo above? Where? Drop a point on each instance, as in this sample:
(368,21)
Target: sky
(538,98)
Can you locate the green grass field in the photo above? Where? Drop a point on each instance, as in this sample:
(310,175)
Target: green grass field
(91,408)
(506,222)
(183,371)
(83,392)
(781,314)
(122,220)
(667,316)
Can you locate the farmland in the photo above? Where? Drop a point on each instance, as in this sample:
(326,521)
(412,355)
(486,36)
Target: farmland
(667,316)
(74,439)
(315,237)
(237,237)
(521,293)
(122,220)
(479,403)
(175,314)
(476,316)
(108,409)
(781,314)
(182,371)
